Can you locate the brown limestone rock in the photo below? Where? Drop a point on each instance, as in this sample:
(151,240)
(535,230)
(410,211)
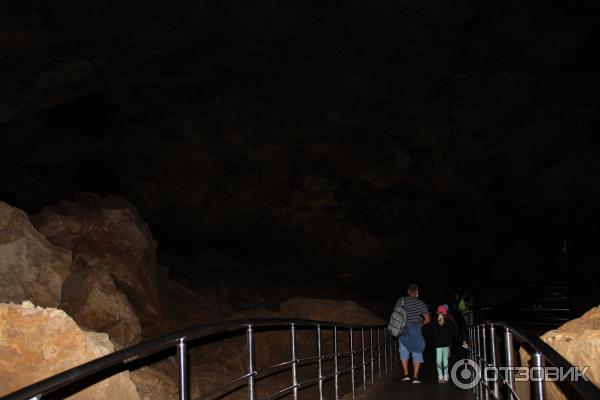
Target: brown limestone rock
(30,266)
(108,232)
(92,299)
(154,385)
(36,343)
(578,341)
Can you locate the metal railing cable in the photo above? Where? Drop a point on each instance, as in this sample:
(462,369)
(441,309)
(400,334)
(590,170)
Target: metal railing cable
(369,356)
(483,350)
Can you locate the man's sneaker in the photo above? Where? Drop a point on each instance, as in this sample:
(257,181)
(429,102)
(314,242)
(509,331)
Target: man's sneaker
(416,380)
(406,378)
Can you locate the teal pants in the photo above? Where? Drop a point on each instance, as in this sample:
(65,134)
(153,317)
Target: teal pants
(441,360)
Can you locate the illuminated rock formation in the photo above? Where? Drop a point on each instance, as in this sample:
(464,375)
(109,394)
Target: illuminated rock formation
(36,343)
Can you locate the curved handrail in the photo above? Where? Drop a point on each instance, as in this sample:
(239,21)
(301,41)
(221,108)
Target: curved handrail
(585,388)
(171,340)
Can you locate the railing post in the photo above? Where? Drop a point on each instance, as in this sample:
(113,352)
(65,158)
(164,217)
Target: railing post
(294,361)
(364,365)
(351,337)
(473,353)
(479,361)
(385,352)
(510,363)
(484,354)
(320,362)
(371,355)
(378,354)
(492,339)
(251,371)
(335,364)
(537,375)
(183,369)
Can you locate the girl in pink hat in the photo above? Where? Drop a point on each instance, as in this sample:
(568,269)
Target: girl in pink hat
(443,335)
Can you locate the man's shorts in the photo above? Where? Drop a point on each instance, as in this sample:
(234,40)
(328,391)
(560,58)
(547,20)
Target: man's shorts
(404,354)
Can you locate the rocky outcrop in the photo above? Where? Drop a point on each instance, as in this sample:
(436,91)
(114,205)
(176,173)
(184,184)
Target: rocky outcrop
(36,343)
(92,299)
(108,234)
(578,341)
(154,385)
(31,268)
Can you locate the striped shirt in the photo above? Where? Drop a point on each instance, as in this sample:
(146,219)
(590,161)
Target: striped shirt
(415,310)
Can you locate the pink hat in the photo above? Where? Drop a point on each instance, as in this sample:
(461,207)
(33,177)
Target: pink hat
(442,310)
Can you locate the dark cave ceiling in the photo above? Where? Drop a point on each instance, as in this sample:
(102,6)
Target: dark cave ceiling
(338,132)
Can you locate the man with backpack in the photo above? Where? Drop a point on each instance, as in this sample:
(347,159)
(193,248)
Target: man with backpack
(410,314)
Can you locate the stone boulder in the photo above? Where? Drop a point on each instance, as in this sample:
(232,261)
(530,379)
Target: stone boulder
(92,299)
(109,233)
(36,343)
(154,385)
(578,341)
(30,266)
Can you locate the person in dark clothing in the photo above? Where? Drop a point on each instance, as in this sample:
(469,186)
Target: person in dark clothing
(444,333)
(412,342)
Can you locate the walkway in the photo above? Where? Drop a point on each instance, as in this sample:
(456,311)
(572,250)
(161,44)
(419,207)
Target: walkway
(391,388)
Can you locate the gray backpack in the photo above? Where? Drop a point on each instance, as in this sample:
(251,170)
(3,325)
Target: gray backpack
(397,324)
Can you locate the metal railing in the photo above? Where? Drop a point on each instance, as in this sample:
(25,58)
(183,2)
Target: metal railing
(490,339)
(527,316)
(380,349)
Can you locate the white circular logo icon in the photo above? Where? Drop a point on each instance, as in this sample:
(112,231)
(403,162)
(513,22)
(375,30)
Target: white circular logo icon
(465,374)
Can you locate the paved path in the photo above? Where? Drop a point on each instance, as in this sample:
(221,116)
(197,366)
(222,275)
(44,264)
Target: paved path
(391,388)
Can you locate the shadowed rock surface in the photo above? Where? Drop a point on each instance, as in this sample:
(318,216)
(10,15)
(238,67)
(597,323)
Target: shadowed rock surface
(154,385)
(31,268)
(91,298)
(336,135)
(107,233)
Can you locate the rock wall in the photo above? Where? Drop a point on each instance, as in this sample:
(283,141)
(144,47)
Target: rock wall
(109,235)
(578,341)
(154,385)
(36,343)
(31,268)
(92,299)
(367,129)
(94,258)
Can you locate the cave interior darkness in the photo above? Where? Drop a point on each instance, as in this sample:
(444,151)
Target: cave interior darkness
(327,148)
